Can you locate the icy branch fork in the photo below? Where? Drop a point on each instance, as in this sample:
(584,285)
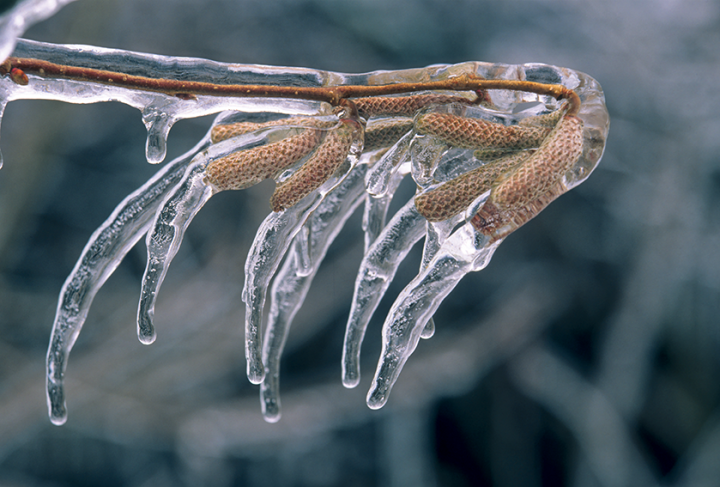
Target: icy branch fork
(488,145)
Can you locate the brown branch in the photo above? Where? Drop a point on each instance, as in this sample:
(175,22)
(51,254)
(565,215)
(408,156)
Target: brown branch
(333,95)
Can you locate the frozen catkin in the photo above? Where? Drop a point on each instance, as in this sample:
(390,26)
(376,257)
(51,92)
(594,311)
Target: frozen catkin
(334,141)
(475,133)
(246,168)
(406,105)
(226,131)
(328,157)
(456,195)
(556,155)
(530,187)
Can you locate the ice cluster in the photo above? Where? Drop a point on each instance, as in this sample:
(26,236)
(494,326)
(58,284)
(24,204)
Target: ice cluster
(484,163)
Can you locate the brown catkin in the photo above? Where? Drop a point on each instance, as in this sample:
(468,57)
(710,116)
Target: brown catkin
(226,131)
(331,153)
(475,133)
(532,186)
(497,223)
(556,155)
(456,195)
(246,168)
(489,155)
(403,105)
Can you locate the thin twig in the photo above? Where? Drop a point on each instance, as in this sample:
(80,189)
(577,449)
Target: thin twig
(334,95)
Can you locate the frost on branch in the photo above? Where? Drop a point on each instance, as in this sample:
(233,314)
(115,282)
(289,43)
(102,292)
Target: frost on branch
(489,146)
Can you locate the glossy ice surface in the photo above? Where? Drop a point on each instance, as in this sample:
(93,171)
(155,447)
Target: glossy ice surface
(163,208)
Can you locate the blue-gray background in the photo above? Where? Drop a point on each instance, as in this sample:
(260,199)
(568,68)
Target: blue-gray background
(586,354)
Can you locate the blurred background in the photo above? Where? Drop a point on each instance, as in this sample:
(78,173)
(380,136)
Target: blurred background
(586,354)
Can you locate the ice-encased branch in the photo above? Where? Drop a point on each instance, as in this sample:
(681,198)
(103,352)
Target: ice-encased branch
(159,111)
(445,260)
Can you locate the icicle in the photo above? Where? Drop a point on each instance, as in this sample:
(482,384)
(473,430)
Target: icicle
(374,276)
(3,104)
(374,218)
(379,177)
(292,282)
(435,236)
(158,127)
(385,175)
(270,245)
(277,231)
(376,208)
(101,255)
(465,251)
(164,241)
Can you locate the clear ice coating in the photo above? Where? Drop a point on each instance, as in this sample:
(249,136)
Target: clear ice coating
(15,21)
(326,160)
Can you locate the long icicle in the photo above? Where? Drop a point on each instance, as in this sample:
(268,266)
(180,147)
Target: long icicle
(419,301)
(293,281)
(376,271)
(164,240)
(105,249)
(321,172)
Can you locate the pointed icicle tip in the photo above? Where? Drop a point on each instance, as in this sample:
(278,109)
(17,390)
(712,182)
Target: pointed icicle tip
(376,399)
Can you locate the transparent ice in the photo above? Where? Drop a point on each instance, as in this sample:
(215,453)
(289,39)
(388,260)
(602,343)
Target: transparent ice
(290,245)
(17,19)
